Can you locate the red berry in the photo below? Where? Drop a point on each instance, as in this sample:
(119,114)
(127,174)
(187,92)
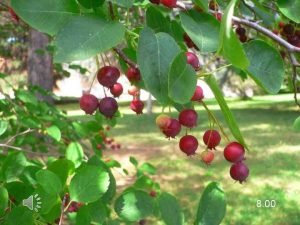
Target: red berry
(173,129)
(88,103)
(275,31)
(13,15)
(108,76)
(281,24)
(99,146)
(243,38)
(294,40)
(193,60)
(211,138)
(240,31)
(133,90)
(153,194)
(188,41)
(207,157)
(239,172)
(118,146)
(218,16)
(142,222)
(198,94)
(188,118)
(108,106)
(155,2)
(188,144)
(234,152)
(116,90)
(288,29)
(133,74)
(169,3)
(163,121)
(137,106)
(74,206)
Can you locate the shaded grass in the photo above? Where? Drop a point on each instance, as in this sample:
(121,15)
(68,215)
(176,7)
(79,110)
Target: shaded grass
(266,123)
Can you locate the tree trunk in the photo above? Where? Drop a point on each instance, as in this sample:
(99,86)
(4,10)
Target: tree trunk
(39,65)
(149,105)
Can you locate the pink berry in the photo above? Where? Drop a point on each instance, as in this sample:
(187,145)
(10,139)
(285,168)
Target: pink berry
(133,74)
(137,106)
(193,60)
(207,157)
(163,121)
(173,129)
(88,103)
(198,94)
(133,90)
(116,90)
(188,118)
(239,171)
(211,138)
(188,144)
(108,106)
(169,3)
(234,152)
(108,76)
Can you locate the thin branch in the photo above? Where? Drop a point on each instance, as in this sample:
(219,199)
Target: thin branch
(294,76)
(125,58)
(111,10)
(62,209)
(24,150)
(19,134)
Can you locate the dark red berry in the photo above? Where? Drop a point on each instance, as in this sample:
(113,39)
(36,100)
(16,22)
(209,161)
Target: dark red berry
(13,15)
(133,74)
(240,31)
(234,152)
(137,106)
(207,157)
(239,172)
(142,222)
(218,16)
(281,24)
(173,129)
(116,90)
(118,146)
(74,206)
(88,103)
(188,144)
(275,31)
(212,138)
(294,40)
(153,194)
(155,1)
(193,60)
(188,118)
(108,76)
(169,3)
(288,29)
(108,106)
(198,94)
(188,41)
(243,38)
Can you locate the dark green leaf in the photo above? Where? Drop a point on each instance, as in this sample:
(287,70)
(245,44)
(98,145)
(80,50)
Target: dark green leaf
(54,132)
(13,166)
(20,215)
(212,206)
(170,209)
(3,126)
(203,29)
(228,116)
(290,8)
(85,36)
(203,4)
(155,54)
(3,200)
(83,216)
(124,3)
(133,161)
(47,16)
(98,211)
(74,153)
(89,184)
(49,181)
(266,65)
(147,168)
(89,4)
(182,80)
(62,168)
(19,190)
(156,20)
(134,205)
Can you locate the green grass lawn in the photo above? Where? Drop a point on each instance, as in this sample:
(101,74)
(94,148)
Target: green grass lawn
(273,159)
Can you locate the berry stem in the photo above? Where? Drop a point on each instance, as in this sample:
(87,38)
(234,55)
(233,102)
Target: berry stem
(107,59)
(95,75)
(215,120)
(103,61)
(216,70)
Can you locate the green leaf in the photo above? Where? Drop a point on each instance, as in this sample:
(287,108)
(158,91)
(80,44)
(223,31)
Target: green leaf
(89,4)
(85,36)
(133,161)
(170,209)
(13,166)
(202,28)
(47,16)
(266,65)
(296,125)
(155,54)
(3,200)
(134,205)
(156,20)
(124,3)
(48,201)
(212,206)
(62,168)
(228,115)
(83,216)
(203,4)
(147,168)
(74,153)
(20,215)
(290,8)
(182,80)
(267,16)
(98,211)
(19,190)
(27,97)
(49,181)
(54,132)
(89,184)
(230,46)
(3,126)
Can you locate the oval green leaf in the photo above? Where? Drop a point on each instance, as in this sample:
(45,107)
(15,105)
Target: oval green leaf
(290,8)
(182,80)
(89,184)
(155,54)
(3,126)
(47,16)
(3,200)
(170,210)
(202,28)
(212,206)
(89,4)
(228,115)
(49,181)
(54,132)
(74,153)
(86,36)
(266,65)
(20,215)
(134,205)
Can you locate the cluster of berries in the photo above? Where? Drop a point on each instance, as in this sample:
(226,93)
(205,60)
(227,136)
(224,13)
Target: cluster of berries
(241,32)
(289,32)
(107,142)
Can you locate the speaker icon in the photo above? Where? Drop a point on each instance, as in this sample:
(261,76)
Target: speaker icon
(33,202)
